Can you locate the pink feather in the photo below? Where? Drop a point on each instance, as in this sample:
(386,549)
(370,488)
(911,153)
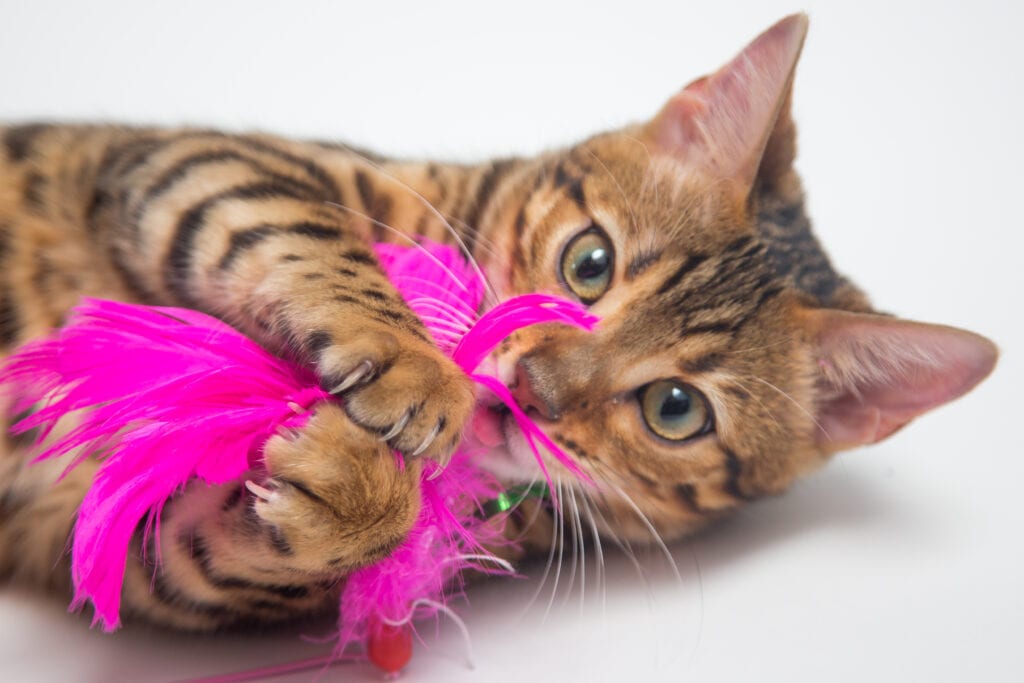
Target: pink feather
(170,395)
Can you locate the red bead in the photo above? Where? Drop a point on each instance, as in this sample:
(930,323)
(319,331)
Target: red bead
(390,647)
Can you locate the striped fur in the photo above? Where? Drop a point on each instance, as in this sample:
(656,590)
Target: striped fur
(710,288)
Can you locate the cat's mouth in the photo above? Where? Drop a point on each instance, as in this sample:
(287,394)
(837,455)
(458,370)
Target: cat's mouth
(503,449)
(489,424)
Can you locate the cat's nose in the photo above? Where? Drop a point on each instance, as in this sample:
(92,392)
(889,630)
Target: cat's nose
(531,393)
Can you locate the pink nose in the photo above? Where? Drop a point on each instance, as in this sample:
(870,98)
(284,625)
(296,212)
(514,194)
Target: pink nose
(524,388)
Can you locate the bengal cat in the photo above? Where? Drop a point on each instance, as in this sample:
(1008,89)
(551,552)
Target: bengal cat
(730,360)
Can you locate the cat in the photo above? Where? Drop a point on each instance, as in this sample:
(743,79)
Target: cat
(731,358)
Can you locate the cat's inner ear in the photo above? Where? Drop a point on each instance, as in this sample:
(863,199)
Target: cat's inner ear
(875,374)
(719,125)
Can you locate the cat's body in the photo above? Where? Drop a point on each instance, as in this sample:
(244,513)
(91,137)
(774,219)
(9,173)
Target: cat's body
(730,360)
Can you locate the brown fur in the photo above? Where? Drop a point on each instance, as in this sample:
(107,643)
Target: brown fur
(712,287)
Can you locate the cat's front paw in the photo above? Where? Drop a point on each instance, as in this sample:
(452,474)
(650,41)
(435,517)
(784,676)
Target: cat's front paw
(402,389)
(335,498)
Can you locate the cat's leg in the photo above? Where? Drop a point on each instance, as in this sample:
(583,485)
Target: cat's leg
(226,554)
(277,549)
(266,254)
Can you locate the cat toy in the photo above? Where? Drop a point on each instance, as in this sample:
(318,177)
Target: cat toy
(166,396)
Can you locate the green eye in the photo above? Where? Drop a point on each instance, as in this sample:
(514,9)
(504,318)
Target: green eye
(588,263)
(675,411)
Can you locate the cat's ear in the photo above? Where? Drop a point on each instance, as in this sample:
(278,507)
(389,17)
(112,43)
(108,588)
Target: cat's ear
(719,125)
(876,374)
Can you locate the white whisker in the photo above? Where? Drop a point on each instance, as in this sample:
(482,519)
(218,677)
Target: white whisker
(578,523)
(444,221)
(654,532)
(560,541)
(795,402)
(405,237)
(598,549)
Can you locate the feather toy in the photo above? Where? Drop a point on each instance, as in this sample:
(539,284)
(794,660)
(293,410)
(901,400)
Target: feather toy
(165,396)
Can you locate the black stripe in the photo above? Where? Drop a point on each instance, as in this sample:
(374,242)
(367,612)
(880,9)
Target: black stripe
(704,363)
(100,201)
(687,494)
(233,499)
(306,491)
(122,158)
(171,597)
(376,206)
(718,327)
(35,191)
(200,553)
(278,542)
(177,267)
(738,243)
(315,231)
(374,294)
(573,185)
(11,502)
(734,470)
(360,256)
(5,239)
(365,188)
(322,178)
(317,342)
(518,252)
(243,240)
(183,167)
(19,140)
(642,262)
(43,272)
(10,319)
(691,262)
(482,199)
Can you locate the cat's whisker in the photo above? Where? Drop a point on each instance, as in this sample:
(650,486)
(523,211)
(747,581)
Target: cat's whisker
(578,523)
(454,327)
(618,186)
(658,541)
(560,541)
(622,544)
(412,242)
(481,241)
(444,221)
(551,553)
(762,347)
(794,401)
(571,519)
(598,549)
(754,396)
(442,307)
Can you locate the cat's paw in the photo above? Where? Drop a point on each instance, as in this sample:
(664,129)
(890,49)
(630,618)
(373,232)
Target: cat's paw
(404,390)
(335,497)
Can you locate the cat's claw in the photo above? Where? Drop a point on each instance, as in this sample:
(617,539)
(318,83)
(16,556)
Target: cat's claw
(429,439)
(259,491)
(360,372)
(397,428)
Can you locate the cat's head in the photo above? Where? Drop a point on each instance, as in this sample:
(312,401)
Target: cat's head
(731,358)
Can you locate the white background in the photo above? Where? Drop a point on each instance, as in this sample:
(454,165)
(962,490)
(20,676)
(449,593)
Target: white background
(900,562)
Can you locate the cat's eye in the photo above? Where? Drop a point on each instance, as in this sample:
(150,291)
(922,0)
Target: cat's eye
(588,262)
(675,411)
